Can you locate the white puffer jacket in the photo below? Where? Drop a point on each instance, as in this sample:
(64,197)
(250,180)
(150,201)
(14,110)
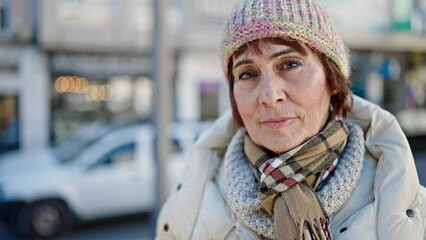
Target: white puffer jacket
(388,202)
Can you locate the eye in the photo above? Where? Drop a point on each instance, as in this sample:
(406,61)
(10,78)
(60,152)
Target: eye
(290,65)
(246,75)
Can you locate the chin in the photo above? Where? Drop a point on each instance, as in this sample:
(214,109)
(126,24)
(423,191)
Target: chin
(280,143)
(281,149)
(278,146)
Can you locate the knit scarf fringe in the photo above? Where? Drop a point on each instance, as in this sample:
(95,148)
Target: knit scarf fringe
(241,187)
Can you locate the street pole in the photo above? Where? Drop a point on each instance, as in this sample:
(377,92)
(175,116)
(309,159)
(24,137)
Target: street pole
(163,56)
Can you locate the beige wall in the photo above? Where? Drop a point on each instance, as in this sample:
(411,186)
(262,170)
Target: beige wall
(96,25)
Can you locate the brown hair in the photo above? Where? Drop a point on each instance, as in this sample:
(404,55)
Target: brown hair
(338,83)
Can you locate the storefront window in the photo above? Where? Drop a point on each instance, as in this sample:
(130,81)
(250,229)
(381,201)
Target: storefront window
(413,115)
(9,127)
(78,101)
(4,16)
(395,81)
(209,105)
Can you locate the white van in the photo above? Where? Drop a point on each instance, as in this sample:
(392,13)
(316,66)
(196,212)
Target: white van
(100,172)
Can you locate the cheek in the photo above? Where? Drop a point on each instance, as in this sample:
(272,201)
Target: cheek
(318,95)
(317,90)
(320,104)
(245,102)
(315,95)
(324,94)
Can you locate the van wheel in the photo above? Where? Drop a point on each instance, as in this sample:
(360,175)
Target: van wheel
(44,219)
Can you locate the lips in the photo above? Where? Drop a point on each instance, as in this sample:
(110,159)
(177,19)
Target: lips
(278,122)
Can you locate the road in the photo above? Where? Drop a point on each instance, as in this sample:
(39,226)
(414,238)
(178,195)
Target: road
(142,228)
(130,228)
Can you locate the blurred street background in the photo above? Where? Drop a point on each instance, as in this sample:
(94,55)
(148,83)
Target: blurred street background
(101,100)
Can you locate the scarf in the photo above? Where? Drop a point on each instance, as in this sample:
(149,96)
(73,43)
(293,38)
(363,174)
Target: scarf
(240,187)
(287,182)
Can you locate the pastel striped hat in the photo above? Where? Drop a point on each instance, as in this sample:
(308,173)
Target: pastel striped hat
(303,20)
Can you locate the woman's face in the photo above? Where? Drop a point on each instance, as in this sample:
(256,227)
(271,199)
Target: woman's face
(281,94)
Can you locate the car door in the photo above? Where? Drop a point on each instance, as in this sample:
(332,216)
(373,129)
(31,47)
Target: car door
(114,183)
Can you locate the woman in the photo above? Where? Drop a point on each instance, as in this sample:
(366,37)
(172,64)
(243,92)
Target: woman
(300,157)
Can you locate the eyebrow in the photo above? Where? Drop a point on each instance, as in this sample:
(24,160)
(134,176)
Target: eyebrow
(277,54)
(241,62)
(283,52)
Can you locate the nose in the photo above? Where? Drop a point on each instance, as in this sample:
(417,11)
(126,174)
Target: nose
(272,91)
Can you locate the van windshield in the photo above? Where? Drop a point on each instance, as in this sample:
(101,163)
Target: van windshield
(68,149)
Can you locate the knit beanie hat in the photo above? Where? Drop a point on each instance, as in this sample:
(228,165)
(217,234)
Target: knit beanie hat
(303,20)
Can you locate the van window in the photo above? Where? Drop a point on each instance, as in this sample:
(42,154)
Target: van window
(123,154)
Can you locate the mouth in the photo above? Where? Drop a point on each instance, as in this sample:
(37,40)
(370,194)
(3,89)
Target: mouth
(278,122)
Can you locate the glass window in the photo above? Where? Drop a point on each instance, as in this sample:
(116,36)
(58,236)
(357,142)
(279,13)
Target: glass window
(84,137)
(122,154)
(395,81)
(97,13)
(9,124)
(209,105)
(4,18)
(78,101)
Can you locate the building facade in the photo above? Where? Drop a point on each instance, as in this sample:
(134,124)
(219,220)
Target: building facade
(65,63)
(98,60)
(24,79)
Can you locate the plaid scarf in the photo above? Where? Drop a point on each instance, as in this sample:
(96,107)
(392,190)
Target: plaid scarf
(288,182)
